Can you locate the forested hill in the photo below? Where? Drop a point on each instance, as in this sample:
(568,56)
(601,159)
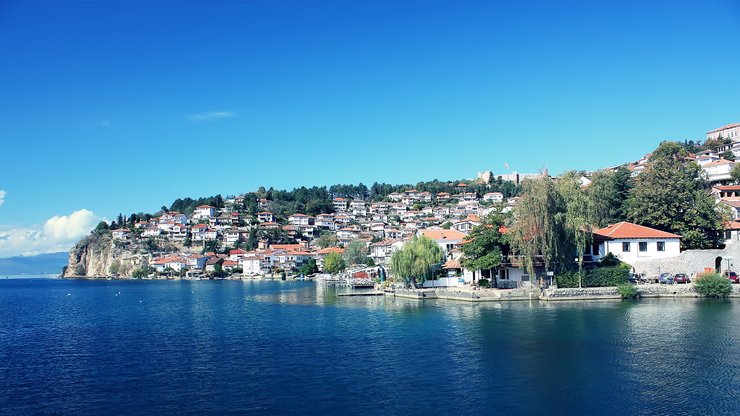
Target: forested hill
(318,199)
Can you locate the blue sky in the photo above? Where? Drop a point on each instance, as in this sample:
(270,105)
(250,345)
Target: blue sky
(115,107)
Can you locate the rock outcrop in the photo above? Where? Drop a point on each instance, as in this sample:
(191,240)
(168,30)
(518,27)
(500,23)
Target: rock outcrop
(99,255)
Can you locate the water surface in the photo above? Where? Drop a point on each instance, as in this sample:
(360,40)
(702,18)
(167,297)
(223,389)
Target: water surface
(232,347)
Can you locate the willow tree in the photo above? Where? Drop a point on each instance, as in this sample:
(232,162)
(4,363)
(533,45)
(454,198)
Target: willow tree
(537,226)
(608,193)
(577,215)
(413,263)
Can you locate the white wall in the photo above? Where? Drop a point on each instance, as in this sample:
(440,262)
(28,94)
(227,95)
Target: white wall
(672,249)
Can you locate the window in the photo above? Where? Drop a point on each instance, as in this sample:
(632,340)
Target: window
(626,247)
(661,245)
(643,246)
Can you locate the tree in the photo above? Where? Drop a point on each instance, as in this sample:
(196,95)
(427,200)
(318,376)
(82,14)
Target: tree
(413,263)
(326,239)
(577,215)
(671,195)
(447,225)
(334,263)
(308,267)
(485,245)
(607,194)
(735,173)
(355,252)
(537,229)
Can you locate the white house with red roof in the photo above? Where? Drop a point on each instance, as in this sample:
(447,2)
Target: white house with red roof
(265,216)
(300,219)
(204,211)
(493,197)
(718,171)
(633,243)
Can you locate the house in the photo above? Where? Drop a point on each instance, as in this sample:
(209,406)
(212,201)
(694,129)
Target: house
(443,197)
(728,131)
(493,197)
(395,196)
(236,254)
(732,231)
(253,265)
(325,221)
(265,216)
(212,262)
(121,234)
(467,225)
(633,243)
(381,251)
(204,211)
(718,171)
(340,204)
(174,217)
(300,219)
(446,239)
(234,236)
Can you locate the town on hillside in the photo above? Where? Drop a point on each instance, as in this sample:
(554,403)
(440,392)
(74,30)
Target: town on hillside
(490,229)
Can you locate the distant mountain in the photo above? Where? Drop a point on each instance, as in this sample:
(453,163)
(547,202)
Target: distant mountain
(40,264)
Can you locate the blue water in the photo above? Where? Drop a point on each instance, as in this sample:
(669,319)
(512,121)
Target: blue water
(231,347)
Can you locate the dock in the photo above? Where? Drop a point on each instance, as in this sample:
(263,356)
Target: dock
(363,293)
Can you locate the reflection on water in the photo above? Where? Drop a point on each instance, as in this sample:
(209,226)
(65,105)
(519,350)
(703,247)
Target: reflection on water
(296,347)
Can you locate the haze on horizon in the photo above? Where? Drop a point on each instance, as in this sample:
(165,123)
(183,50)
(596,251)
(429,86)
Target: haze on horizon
(125,106)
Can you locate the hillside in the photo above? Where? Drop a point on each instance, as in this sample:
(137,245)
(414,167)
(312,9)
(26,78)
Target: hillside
(40,264)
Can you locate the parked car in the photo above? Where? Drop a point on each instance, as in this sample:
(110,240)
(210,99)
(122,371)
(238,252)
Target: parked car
(681,278)
(732,276)
(634,278)
(665,278)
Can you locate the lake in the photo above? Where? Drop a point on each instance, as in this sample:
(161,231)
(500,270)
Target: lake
(269,347)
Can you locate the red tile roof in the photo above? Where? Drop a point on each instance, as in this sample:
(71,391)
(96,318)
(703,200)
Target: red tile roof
(443,234)
(626,229)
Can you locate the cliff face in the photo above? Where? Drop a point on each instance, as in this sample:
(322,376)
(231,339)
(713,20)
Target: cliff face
(101,256)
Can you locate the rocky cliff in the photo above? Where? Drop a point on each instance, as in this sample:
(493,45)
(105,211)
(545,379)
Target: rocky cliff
(99,255)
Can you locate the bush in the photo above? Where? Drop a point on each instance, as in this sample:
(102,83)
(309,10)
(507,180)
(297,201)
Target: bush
(568,279)
(627,291)
(484,283)
(607,276)
(712,285)
(599,277)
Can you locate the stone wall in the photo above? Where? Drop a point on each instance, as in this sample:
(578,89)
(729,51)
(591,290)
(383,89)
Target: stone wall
(644,291)
(690,262)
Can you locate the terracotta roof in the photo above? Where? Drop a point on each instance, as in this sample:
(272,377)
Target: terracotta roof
(728,187)
(725,127)
(443,234)
(720,162)
(629,230)
(732,225)
(451,264)
(204,206)
(331,250)
(237,251)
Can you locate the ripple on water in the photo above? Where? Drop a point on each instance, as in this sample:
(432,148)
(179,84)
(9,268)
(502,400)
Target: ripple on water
(296,348)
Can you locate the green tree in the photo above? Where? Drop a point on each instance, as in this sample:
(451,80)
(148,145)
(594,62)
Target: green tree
(334,263)
(577,215)
(538,229)
(607,194)
(413,263)
(671,195)
(326,239)
(447,225)
(735,173)
(485,246)
(308,267)
(355,252)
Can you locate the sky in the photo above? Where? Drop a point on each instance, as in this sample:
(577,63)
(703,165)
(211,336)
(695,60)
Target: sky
(111,107)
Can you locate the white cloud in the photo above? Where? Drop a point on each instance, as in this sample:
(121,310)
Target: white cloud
(211,116)
(59,233)
(2,196)
(105,123)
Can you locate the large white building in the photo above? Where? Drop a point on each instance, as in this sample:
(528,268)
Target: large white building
(633,243)
(729,131)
